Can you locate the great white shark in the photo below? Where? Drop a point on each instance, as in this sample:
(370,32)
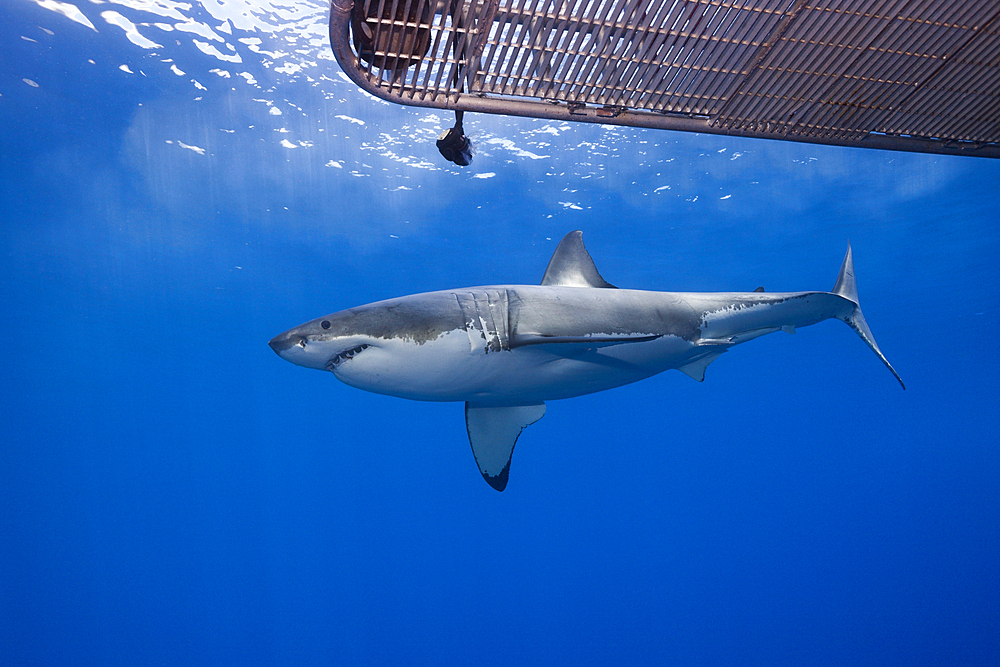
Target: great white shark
(506,349)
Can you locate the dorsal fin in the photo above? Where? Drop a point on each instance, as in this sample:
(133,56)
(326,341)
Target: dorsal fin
(759,289)
(493,430)
(571,265)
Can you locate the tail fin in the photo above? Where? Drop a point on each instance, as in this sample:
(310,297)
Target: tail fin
(847,287)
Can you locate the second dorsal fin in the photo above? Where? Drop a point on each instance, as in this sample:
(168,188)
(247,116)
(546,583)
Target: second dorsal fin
(571,265)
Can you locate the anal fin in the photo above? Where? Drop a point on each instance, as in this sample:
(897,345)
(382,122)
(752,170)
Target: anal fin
(493,431)
(696,369)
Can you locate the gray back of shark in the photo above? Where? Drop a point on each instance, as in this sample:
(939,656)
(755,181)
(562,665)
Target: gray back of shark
(504,350)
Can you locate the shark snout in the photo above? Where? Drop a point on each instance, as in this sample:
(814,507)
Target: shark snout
(283,342)
(300,348)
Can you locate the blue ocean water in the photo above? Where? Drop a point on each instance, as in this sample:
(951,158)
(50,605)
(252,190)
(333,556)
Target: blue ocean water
(181,182)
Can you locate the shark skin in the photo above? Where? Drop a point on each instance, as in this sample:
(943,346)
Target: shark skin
(506,349)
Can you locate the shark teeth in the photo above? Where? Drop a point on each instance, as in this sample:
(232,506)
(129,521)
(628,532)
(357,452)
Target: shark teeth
(337,360)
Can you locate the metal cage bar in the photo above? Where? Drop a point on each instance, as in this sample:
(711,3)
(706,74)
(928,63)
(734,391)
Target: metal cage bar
(911,75)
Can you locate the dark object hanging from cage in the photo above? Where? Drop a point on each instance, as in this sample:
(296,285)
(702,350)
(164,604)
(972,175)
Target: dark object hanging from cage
(391,34)
(453,145)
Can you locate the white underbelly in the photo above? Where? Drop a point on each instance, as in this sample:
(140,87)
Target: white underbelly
(450,369)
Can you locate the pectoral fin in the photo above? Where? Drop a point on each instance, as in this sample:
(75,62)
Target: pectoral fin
(493,430)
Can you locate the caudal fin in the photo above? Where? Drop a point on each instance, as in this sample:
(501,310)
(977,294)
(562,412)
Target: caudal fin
(847,287)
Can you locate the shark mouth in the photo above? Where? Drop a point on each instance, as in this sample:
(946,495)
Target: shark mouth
(340,358)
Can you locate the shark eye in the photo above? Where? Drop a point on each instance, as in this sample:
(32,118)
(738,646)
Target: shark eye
(325,324)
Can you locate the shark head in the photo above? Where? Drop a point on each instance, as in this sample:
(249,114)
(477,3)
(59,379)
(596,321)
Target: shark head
(327,343)
(390,347)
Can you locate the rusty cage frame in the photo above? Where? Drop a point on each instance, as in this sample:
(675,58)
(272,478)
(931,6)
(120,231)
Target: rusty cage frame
(911,75)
